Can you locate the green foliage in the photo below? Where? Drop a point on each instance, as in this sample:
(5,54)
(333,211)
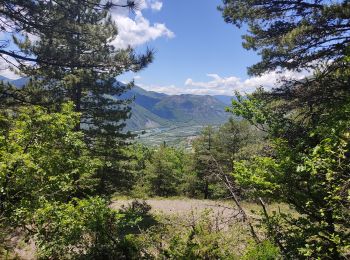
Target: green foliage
(44,19)
(138,212)
(164,172)
(192,238)
(204,163)
(216,149)
(292,34)
(257,176)
(87,229)
(46,172)
(135,185)
(42,158)
(263,251)
(233,140)
(307,166)
(308,170)
(167,171)
(54,154)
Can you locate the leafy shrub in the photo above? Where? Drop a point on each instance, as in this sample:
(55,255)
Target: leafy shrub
(86,229)
(135,218)
(41,156)
(263,251)
(192,237)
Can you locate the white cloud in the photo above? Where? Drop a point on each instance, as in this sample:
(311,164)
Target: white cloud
(169,89)
(145,4)
(138,30)
(33,38)
(135,32)
(5,70)
(226,85)
(156,5)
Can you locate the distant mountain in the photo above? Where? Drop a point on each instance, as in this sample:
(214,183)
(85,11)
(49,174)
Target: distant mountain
(153,110)
(146,99)
(4,79)
(227,100)
(191,107)
(19,83)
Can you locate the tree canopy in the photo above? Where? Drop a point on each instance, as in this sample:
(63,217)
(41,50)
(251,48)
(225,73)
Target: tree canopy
(292,34)
(38,18)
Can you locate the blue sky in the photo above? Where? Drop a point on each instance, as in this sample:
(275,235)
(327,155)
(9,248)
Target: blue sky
(196,52)
(202,44)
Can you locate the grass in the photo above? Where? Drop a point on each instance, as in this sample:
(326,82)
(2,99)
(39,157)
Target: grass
(256,208)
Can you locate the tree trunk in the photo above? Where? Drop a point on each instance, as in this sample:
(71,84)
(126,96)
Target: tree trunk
(206,190)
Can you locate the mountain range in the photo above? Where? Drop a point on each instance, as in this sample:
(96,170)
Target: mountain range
(155,110)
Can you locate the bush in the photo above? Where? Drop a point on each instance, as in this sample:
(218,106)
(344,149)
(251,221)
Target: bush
(196,237)
(87,229)
(263,251)
(41,156)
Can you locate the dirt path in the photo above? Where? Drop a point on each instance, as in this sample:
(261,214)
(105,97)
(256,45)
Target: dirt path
(184,206)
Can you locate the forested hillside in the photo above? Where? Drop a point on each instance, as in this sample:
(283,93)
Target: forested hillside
(152,110)
(266,177)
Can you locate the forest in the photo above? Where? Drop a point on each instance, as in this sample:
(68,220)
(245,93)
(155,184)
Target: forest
(280,164)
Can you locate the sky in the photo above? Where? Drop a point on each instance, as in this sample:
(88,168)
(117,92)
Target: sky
(196,52)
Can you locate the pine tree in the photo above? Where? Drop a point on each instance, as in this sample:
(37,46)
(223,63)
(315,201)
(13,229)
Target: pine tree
(41,17)
(292,34)
(88,78)
(204,163)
